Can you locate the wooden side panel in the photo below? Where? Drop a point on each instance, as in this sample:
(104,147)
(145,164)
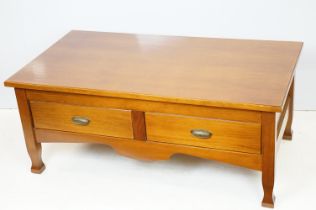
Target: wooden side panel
(110,122)
(288,129)
(282,120)
(147,150)
(139,127)
(285,118)
(226,135)
(146,106)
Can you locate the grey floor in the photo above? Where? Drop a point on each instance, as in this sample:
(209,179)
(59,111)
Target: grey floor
(86,176)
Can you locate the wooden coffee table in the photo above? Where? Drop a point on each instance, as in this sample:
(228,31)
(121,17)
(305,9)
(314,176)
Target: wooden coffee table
(150,97)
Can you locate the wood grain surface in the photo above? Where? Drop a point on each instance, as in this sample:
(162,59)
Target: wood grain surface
(241,74)
(148,150)
(109,122)
(226,135)
(145,106)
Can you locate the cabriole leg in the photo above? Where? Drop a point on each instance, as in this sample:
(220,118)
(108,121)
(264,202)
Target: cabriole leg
(34,148)
(268,158)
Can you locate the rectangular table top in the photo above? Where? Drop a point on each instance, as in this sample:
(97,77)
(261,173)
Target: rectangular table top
(231,73)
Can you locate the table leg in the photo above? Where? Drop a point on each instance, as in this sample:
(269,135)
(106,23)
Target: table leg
(33,147)
(288,129)
(268,158)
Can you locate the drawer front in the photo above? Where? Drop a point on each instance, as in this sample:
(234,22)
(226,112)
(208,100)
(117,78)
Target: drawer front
(225,135)
(82,119)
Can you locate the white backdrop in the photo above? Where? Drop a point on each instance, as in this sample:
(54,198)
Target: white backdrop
(29,27)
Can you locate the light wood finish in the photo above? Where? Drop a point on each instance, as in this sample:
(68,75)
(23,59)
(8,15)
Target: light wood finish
(34,148)
(288,130)
(268,158)
(147,106)
(226,135)
(109,122)
(230,73)
(147,150)
(143,94)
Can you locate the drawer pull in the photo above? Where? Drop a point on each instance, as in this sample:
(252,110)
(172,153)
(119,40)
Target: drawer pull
(80,120)
(200,133)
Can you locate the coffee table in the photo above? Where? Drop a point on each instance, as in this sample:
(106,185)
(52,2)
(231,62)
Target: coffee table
(150,97)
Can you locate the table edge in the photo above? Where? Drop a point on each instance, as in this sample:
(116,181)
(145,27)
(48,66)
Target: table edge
(127,95)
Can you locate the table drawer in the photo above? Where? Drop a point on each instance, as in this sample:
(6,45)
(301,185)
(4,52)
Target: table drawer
(224,134)
(82,119)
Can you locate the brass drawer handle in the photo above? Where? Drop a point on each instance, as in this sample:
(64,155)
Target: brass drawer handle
(80,120)
(200,133)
